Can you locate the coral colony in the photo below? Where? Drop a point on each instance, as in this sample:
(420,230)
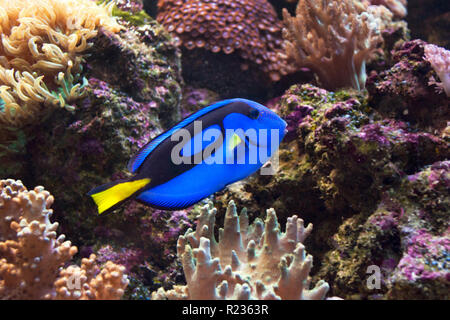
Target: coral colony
(42,43)
(333,39)
(249,261)
(249,27)
(361,88)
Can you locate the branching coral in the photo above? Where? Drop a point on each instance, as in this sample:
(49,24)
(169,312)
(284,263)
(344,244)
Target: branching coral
(333,39)
(88,282)
(439,58)
(248,262)
(40,61)
(32,256)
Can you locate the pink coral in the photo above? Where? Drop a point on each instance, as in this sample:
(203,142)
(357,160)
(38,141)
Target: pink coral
(425,258)
(89,282)
(439,58)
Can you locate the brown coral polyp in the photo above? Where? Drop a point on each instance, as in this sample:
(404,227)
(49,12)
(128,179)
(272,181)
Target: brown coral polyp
(228,26)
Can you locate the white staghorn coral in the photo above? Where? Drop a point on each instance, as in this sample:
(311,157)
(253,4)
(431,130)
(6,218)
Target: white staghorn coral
(248,262)
(333,39)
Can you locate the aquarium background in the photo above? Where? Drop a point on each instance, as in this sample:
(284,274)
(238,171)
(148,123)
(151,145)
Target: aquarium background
(357,209)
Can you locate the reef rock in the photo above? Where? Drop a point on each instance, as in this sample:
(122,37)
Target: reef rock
(406,239)
(410,90)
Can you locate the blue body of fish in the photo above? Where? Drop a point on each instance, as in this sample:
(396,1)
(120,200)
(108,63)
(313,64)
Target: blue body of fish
(212,148)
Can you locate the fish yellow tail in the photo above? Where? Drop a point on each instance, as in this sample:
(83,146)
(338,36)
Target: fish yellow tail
(107,196)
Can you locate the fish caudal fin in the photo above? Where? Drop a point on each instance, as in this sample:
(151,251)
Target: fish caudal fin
(108,195)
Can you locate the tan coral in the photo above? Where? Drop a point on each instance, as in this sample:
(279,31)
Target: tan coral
(40,53)
(32,255)
(248,262)
(383,16)
(87,282)
(397,7)
(333,39)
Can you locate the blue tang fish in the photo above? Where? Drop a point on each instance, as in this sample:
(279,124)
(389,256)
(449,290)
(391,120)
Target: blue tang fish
(212,148)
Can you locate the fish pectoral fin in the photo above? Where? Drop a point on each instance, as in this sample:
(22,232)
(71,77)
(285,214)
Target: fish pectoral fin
(107,196)
(234,142)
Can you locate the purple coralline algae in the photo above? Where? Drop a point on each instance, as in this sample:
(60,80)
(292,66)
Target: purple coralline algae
(196,98)
(93,145)
(144,63)
(409,90)
(125,257)
(132,6)
(407,237)
(426,259)
(347,150)
(145,244)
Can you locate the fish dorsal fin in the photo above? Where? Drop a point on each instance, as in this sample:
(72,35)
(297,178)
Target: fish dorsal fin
(137,160)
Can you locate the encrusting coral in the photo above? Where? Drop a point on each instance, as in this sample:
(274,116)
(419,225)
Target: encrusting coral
(333,39)
(40,54)
(254,261)
(32,256)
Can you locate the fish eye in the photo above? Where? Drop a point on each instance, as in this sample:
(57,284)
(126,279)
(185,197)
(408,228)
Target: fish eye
(253,114)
